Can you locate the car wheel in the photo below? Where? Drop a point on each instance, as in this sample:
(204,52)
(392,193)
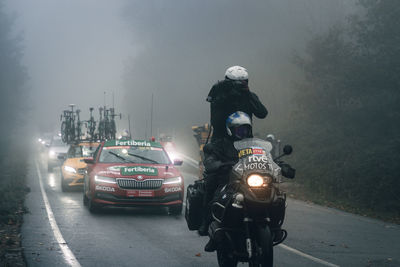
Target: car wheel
(93,207)
(175,209)
(64,185)
(85,198)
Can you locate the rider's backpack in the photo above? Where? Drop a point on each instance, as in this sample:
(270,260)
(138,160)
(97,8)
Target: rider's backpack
(194,205)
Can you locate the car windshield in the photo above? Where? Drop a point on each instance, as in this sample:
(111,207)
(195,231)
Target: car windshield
(81,151)
(57,142)
(134,154)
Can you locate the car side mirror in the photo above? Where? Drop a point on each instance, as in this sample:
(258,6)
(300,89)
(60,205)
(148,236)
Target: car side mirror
(62,157)
(89,161)
(287,149)
(178,162)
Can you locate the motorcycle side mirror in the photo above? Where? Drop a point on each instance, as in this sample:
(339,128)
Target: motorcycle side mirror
(89,161)
(287,149)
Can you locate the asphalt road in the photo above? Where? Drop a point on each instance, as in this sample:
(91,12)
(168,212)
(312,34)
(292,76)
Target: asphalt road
(60,231)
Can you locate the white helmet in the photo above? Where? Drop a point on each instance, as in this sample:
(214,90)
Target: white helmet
(237,73)
(238,125)
(270,137)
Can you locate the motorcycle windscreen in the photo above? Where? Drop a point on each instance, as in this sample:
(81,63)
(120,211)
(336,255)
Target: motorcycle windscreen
(255,156)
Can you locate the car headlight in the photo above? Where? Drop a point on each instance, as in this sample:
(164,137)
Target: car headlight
(69,169)
(255,180)
(52,153)
(104,179)
(175,180)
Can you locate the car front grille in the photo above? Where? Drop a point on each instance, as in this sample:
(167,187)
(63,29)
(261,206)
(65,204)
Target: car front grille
(135,184)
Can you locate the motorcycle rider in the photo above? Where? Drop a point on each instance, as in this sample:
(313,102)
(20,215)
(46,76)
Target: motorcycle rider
(220,156)
(227,97)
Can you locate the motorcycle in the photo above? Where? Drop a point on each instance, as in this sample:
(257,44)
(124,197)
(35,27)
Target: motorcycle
(248,210)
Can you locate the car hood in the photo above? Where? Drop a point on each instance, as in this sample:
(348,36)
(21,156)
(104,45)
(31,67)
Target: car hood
(140,171)
(77,163)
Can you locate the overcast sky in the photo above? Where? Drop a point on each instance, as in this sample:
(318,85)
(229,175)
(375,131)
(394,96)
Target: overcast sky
(75,50)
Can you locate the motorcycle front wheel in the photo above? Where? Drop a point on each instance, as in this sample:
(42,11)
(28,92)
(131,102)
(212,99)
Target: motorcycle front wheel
(265,248)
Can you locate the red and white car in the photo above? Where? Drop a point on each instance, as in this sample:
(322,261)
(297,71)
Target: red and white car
(133,173)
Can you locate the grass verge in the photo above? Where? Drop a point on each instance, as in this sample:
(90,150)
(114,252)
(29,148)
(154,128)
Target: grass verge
(12,195)
(299,191)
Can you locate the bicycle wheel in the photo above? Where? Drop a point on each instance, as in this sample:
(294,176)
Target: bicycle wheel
(64,136)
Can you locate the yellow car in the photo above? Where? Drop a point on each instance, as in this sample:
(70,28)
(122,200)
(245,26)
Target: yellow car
(74,168)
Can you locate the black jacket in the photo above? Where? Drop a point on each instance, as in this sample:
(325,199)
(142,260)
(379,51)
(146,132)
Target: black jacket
(227,97)
(220,156)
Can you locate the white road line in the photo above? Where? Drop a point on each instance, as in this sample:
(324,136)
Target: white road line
(298,252)
(295,251)
(68,255)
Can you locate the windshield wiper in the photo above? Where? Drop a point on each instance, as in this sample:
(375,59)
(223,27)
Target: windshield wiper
(143,158)
(120,157)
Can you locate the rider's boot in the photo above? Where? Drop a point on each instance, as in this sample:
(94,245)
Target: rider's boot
(211,245)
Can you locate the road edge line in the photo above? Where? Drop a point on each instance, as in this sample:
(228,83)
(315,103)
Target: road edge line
(293,250)
(298,252)
(68,254)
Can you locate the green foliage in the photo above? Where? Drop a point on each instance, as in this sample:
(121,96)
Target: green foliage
(12,153)
(348,120)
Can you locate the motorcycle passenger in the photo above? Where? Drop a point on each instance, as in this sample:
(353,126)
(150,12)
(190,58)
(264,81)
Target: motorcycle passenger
(220,156)
(231,95)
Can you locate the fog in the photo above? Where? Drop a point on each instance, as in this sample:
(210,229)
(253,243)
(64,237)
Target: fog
(84,52)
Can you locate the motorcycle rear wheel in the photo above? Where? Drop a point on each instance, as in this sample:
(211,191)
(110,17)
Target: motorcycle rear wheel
(225,258)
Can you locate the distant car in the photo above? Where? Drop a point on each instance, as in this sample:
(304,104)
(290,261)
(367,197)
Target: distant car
(74,168)
(133,173)
(44,141)
(57,150)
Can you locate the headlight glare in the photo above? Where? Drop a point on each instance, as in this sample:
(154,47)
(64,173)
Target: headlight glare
(69,169)
(175,180)
(104,179)
(255,180)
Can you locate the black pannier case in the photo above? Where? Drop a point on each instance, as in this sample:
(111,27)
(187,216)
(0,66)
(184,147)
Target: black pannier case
(194,205)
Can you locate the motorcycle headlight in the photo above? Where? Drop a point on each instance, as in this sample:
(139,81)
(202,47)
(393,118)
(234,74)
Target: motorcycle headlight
(255,180)
(175,180)
(104,179)
(69,169)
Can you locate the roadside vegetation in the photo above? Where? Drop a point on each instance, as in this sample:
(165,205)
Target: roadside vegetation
(346,125)
(13,146)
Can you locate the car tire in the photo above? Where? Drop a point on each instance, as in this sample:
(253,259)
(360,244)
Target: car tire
(93,207)
(175,209)
(85,199)
(64,185)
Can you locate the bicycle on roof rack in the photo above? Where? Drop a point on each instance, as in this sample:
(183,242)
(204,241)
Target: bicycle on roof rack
(91,126)
(68,125)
